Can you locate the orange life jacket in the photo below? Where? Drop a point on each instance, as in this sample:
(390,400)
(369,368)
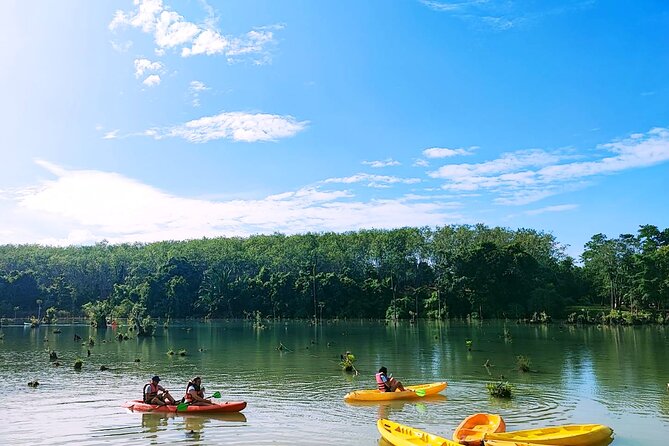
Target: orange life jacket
(188,397)
(152,391)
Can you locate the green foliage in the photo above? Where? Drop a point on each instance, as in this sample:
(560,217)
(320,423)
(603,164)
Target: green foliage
(456,271)
(500,389)
(78,364)
(523,363)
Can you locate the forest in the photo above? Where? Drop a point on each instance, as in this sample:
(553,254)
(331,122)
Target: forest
(458,271)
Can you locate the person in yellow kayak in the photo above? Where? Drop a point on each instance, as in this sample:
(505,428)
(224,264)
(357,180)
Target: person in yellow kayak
(388,383)
(195,393)
(154,393)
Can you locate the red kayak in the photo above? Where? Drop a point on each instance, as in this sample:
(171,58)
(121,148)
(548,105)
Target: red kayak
(228,406)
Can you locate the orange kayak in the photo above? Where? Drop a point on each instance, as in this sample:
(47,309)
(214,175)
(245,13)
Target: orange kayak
(228,406)
(473,428)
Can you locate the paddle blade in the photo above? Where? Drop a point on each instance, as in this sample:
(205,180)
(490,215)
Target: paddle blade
(216,395)
(420,392)
(182,407)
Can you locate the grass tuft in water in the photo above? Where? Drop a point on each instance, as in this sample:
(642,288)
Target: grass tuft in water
(500,389)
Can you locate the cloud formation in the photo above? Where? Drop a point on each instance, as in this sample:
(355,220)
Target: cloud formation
(502,15)
(152,80)
(372,180)
(194,90)
(170,30)
(237,126)
(526,176)
(89,206)
(145,65)
(442,152)
(382,163)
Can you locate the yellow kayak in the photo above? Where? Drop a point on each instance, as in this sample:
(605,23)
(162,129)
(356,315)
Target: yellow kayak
(401,435)
(567,435)
(474,427)
(376,395)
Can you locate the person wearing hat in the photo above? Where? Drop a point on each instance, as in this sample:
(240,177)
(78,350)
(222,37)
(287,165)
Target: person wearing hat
(154,393)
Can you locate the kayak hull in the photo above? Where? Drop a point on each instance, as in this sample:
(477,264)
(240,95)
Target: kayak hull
(228,406)
(376,395)
(567,435)
(401,435)
(474,427)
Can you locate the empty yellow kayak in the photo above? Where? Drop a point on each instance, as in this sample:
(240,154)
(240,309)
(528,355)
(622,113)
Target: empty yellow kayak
(567,435)
(401,435)
(376,395)
(474,427)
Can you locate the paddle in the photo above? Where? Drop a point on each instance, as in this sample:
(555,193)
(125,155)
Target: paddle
(420,392)
(184,406)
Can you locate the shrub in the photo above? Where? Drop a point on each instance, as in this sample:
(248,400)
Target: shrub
(500,389)
(523,363)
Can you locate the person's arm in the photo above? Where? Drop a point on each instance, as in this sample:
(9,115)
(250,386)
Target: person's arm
(196,395)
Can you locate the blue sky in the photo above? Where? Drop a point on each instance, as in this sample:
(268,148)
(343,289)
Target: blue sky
(152,120)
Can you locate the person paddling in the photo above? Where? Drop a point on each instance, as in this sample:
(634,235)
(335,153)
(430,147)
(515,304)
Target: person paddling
(386,383)
(195,393)
(154,393)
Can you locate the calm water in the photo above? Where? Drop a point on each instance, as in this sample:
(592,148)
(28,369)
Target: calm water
(614,376)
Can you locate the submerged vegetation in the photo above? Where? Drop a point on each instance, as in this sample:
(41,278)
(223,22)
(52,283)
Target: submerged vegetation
(472,272)
(523,363)
(500,389)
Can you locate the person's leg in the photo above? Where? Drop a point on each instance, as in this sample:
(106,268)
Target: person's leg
(169,398)
(157,400)
(396,385)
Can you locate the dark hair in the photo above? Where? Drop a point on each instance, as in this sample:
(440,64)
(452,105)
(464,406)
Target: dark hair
(383,370)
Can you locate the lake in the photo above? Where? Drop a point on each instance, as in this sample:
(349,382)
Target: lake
(611,375)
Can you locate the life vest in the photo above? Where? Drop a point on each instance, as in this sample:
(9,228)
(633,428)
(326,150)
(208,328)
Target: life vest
(188,397)
(151,392)
(380,383)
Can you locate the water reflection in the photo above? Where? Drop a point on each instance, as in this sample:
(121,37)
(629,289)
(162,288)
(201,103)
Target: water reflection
(385,409)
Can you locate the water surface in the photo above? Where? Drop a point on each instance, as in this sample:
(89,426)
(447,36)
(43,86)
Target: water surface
(614,376)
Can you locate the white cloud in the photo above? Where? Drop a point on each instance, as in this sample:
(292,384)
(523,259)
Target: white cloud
(238,126)
(372,180)
(198,86)
(85,206)
(152,80)
(556,208)
(171,30)
(526,176)
(145,65)
(440,152)
(111,135)
(208,42)
(194,90)
(503,15)
(385,163)
(121,47)
(420,163)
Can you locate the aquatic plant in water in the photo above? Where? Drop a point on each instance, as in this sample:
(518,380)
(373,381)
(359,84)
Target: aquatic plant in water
(500,389)
(523,363)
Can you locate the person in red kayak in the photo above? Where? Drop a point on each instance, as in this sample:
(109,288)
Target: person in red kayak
(195,393)
(386,383)
(154,393)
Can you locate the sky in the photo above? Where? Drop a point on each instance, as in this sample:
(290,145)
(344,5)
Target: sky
(148,120)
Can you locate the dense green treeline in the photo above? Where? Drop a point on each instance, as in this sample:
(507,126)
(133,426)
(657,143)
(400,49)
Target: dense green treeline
(452,271)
